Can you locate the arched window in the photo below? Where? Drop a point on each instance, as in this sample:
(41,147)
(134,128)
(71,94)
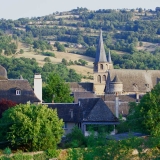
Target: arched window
(99,78)
(101,66)
(104,78)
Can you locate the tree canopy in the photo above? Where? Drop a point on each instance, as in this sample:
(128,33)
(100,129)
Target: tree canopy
(35,127)
(56,90)
(145,116)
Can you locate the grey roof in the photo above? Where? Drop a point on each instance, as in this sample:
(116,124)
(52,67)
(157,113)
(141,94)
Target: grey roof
(124,102)
(77,95)
(8,91)
(81,87)
(100,54)
(136,80)
(3,73)
(98,112)
(116,79)
(87,110)
(64,111)
(109,57)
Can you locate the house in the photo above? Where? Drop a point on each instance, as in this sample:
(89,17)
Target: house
(86,112)
(17,90)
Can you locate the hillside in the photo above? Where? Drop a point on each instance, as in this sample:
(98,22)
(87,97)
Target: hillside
(133,36)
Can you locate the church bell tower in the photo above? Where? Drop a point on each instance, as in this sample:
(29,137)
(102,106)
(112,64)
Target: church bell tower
(101,67)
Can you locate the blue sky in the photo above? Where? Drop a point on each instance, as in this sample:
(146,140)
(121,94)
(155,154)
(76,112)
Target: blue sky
(14,9)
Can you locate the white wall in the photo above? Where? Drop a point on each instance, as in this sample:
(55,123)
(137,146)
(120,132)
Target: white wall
(38,86)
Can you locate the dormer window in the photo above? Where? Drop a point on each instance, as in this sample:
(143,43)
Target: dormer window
(18,92)
(135,85)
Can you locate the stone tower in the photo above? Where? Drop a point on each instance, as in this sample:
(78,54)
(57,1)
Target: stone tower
(101,67)
(115,86)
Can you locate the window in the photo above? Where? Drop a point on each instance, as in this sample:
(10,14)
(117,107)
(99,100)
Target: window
(18,92)
(104,78)
(101,66)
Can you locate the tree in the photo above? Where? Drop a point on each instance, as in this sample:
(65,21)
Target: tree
(35,127)
(47,59)
(145,116)
(56,90)
(140,10)
(64,61)
(21,51)
(6,104)
(60,47)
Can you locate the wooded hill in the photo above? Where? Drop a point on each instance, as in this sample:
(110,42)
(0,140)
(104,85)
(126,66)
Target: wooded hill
(133,36)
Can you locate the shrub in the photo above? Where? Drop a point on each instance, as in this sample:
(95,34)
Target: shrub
(76,138)
(51,54)
(7,151)
(20,156)
(52,153)
(21,51)
(41,156)
(47,59)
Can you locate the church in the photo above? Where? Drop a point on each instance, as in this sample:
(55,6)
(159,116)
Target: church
(128,84)
(108,80)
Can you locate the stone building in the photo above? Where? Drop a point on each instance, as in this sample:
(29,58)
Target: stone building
(108,80)
(17,90)
(129,84)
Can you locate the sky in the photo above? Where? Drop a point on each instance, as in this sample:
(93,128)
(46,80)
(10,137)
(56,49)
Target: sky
(14,9)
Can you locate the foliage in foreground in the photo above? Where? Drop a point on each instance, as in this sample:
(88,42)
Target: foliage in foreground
(145,116)
(32,127)
(101,149)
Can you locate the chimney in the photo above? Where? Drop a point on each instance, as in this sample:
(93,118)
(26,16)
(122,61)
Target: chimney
(137,97)
(38,86)
(117,106)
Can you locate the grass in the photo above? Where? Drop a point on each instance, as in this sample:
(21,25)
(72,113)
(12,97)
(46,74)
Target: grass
(84,70)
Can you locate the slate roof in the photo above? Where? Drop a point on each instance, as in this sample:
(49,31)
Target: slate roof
(123,108)
(64,111)
(95,110)
(116,80)
(124,102)
(87,110)
(122,98)
(100,54)
(78,95)
(8,91)
(136,80)
(81,87)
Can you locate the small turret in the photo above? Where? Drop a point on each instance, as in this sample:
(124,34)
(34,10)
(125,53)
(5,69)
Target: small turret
(116,86)
(109,57)
(21,78)
(110,64)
